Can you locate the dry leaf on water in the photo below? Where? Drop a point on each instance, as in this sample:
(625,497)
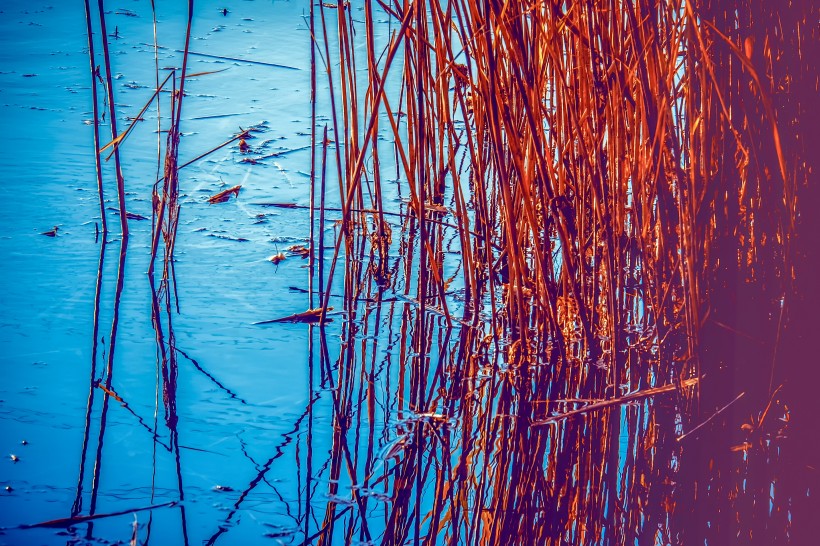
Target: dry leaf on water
(224,195)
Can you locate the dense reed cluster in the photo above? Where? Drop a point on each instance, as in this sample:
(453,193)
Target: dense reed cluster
(603,265)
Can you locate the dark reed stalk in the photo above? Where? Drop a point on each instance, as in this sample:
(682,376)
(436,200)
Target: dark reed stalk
(77,506)
(167,204)
(313,145)
(308,492)
(322,194)
(94,72)
(156,84)
(109,377)
(113,121)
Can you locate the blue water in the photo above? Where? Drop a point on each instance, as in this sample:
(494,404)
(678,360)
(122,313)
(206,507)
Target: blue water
(241,407)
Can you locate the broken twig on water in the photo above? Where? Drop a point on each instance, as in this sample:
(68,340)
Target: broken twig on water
(310,316)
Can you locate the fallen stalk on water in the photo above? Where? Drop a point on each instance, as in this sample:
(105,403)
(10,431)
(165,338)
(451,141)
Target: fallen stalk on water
(67,522)
(223,58)
(374,211)
(122,136)
(310,316)
(617,401)
(224,195)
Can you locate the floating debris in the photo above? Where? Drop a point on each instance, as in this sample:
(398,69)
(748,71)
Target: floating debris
(224,195)
(51,233)
(638,395)
(310,316)
(275,154)
(223,488)
(276,258)
(299,250)
(430,206)
(282,205)
(110,392)
(135,216)
(229,238)
(280,534)
(196,74)
(243,146)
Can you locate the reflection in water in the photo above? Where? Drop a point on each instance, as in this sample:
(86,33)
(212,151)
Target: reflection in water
(108,373)
(93,381)
(225,525)
(161,314)
(164,298)
(108,377)
(520,346)
(103,385)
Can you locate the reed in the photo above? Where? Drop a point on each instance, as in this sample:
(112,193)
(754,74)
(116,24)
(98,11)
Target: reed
(625,181)
(576,248)
(112,117)
(94,74)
